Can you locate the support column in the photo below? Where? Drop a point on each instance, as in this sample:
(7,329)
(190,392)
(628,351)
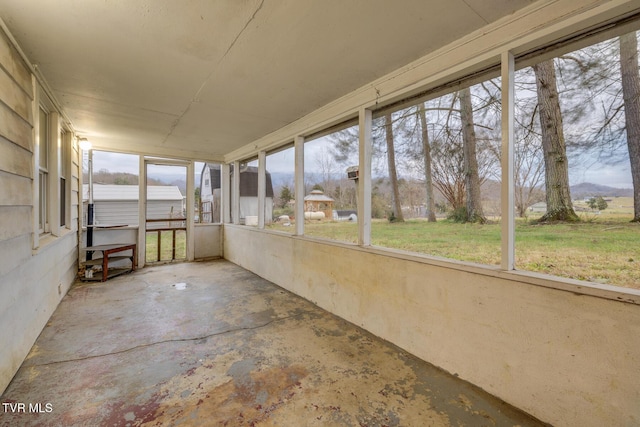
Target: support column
(235,193)
(364,178)
(225,192)
(508,153)
(299,184)
(142,212)
(191,211)
(262,188)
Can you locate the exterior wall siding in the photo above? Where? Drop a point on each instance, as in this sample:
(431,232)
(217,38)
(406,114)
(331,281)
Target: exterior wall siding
(32,282)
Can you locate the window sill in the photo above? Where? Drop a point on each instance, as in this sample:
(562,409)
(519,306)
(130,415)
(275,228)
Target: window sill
(44,240)
(577,287)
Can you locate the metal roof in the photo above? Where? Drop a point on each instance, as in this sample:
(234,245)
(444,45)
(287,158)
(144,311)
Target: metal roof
(105,192)
(317,196)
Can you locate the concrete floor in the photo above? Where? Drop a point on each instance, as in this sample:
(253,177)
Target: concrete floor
(230,349)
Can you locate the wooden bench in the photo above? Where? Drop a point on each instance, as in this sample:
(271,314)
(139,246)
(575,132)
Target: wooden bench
(106,251)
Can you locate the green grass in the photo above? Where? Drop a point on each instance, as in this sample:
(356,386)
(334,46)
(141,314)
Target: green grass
(166,248)
(604,250)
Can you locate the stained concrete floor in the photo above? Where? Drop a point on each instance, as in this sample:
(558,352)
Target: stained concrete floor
(212,344)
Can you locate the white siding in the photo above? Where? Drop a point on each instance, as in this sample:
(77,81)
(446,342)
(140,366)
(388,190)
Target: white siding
(125,212)
(31,283)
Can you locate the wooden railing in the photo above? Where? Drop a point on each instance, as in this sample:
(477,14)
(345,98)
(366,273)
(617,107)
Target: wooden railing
(173,229)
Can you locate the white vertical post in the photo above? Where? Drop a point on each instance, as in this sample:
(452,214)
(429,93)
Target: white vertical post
(191,211)
(262,187)
(299,184)
(364,178)
(225,191)
(508,154)
(142,211)
(235,193)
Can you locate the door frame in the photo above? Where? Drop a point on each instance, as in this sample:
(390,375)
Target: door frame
(142,204)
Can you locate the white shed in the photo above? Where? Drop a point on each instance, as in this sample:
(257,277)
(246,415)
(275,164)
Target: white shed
(118,204)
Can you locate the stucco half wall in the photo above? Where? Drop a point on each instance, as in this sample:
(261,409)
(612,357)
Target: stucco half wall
(564,357)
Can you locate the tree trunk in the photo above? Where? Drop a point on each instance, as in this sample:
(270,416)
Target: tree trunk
(472,178)
(558,196)
(631,96)
(428,180)
(393,175)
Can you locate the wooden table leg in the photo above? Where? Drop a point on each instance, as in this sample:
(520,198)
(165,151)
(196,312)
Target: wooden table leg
(105,266)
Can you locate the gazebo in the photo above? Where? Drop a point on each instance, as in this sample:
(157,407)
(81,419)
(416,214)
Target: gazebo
(317,201)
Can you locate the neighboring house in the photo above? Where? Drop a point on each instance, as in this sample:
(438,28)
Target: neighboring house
(210,181)
(118,204)
(316,201)
(538,207)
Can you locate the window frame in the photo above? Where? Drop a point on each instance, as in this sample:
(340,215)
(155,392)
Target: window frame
(52,141)
(43,169)
(505,59)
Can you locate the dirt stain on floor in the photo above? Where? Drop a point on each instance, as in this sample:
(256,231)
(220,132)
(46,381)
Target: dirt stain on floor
(245,399)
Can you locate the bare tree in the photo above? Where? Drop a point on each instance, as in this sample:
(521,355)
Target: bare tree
(631,94)
(428,174)
(393,174)
(558,195)
(326,164)
(472,178)
(448,172)
(529,172)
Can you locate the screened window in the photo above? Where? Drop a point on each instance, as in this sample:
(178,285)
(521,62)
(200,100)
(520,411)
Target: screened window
(330,202)
(281,168)
(578,162)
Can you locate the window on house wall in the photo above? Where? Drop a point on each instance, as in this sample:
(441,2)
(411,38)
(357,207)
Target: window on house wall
(330,202)
(248,200)
(43,171)
(577,139)
(280,165)
(436,175)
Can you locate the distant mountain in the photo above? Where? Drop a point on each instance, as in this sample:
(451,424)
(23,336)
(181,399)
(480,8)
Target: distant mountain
(181,184)
(491,190)
(588,189)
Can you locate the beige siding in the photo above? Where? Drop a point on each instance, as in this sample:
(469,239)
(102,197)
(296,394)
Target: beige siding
(16,220)
(14,252)
(10,60)
(30,292)
(13,96)
(15,190)
(15,128)
(15,159)
(32,283)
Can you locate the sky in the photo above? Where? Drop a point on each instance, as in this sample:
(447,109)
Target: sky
(614,176)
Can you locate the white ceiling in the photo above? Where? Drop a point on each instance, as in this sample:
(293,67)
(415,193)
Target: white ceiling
(210,76)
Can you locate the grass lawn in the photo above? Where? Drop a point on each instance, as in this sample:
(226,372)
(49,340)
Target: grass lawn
(166,248)
(602,250)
